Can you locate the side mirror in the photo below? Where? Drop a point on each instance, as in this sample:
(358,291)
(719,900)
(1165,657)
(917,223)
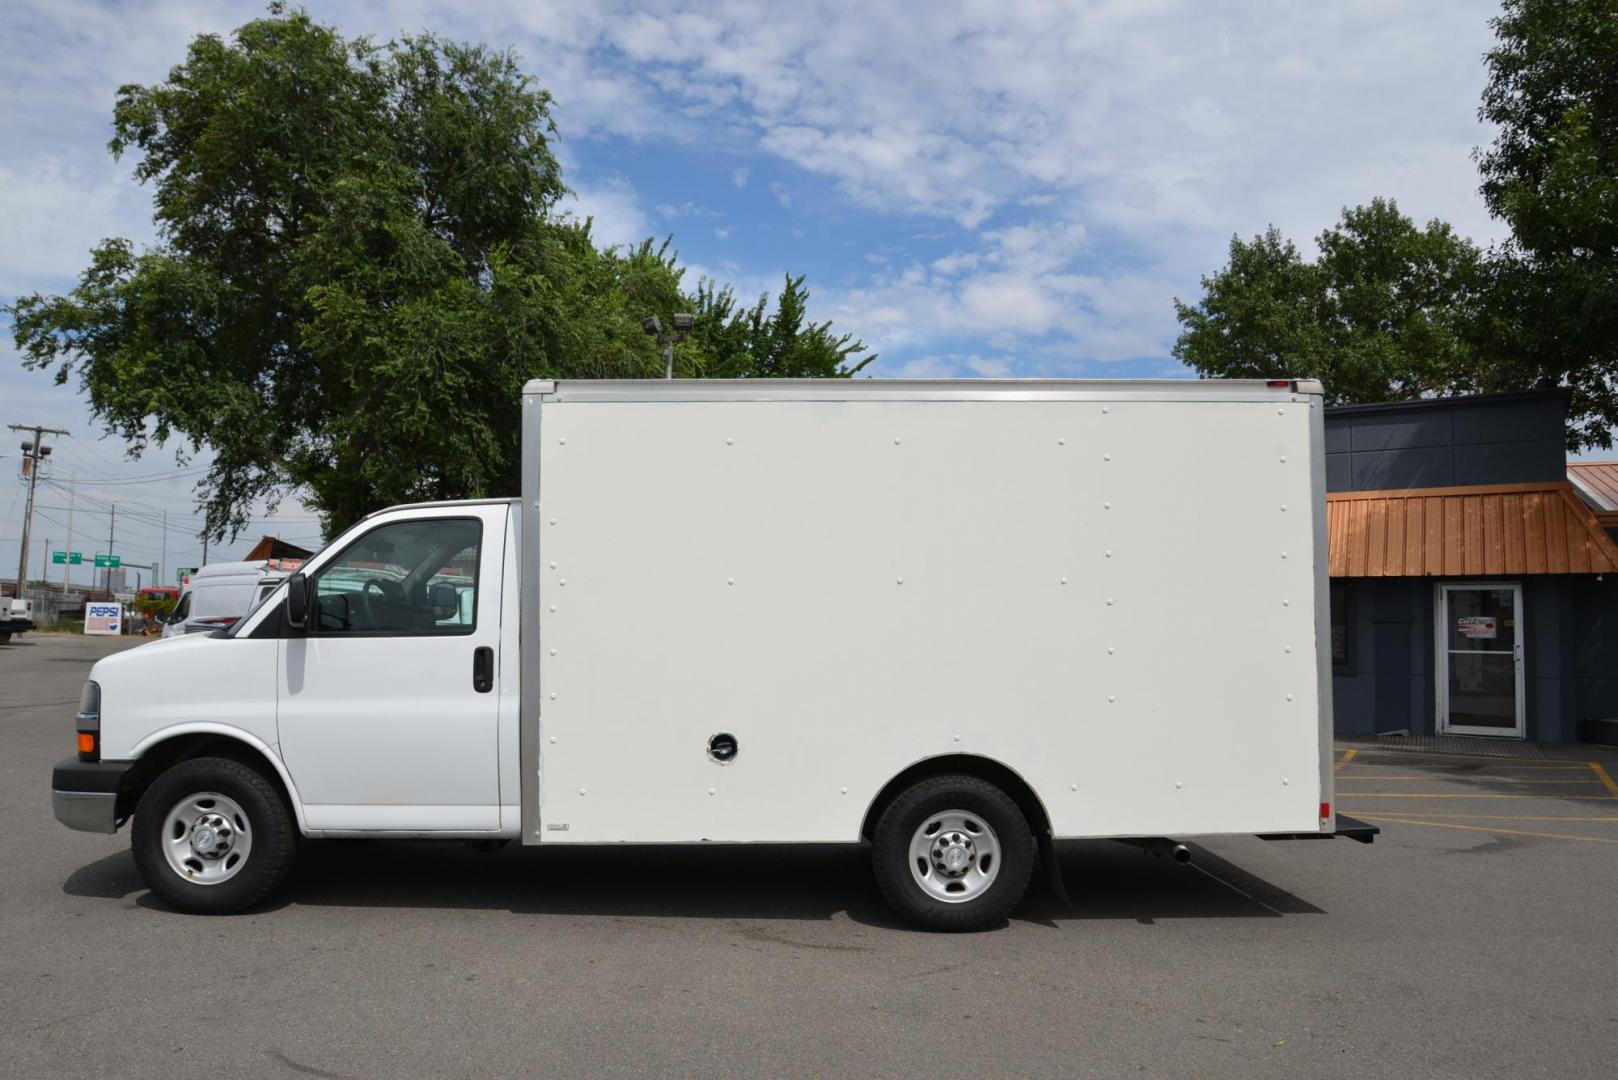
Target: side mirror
(444,600)
(297,601)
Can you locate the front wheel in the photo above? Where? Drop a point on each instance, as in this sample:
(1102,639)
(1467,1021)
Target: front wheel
(212,836)
(953,853)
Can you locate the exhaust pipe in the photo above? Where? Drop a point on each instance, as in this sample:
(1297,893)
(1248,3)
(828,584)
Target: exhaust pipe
(1158,846)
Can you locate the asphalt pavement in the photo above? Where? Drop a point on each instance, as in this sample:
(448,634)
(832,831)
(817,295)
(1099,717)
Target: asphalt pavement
(1476,937)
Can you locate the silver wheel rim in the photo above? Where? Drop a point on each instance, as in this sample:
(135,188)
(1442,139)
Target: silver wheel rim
(954,856)
(207,838)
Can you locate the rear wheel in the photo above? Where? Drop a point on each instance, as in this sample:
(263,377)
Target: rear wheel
(212,836)
(953,853)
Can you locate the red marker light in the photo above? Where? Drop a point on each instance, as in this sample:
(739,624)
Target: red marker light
(1279,384)
(1325,811)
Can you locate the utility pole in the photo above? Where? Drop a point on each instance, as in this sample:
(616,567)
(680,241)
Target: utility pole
(72,493)
(204,549)
(162,561)
(45,561)
(33,453)
(112,521)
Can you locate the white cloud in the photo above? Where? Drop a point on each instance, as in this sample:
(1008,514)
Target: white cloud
(1085,162)
(1155,128)
(955,366)
(44,245)
(1019,291)
(614,208)
(686,209)
(1169,114)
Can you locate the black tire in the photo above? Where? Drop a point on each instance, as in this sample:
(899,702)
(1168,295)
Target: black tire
(909,811)
(270,825)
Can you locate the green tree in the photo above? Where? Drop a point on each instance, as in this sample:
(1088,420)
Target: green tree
(731,342)
(359,265)
(1552,175)
(1388,311)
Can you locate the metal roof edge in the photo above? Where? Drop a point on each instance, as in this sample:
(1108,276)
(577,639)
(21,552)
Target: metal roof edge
(1364,408)
(636,390)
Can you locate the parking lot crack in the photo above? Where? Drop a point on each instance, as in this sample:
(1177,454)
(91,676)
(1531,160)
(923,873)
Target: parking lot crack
(307,1070)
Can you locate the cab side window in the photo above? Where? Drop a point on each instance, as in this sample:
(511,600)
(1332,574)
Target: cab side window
(413,578)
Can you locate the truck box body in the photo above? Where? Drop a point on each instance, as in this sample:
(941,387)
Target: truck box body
(1117,591)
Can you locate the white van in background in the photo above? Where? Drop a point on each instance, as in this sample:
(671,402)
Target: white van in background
(219,594)
(16,617)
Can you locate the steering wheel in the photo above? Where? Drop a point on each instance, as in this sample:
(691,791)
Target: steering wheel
(390,595)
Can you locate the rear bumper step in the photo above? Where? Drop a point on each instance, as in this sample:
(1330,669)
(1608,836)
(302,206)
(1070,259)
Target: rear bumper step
(1352,828)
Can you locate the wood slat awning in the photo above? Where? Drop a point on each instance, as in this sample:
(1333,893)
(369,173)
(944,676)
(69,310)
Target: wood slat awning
(1463,531)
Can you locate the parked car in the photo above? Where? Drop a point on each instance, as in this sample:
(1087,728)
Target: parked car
(216,596)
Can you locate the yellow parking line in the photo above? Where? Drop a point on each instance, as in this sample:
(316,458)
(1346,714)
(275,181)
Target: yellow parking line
(1487,829)
(1605,777)
(1347,758)
(1473,776)
(1460,795)
(1377,766)
(1442,755)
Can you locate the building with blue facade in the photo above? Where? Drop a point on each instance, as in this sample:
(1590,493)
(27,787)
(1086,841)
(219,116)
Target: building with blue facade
(1474,591)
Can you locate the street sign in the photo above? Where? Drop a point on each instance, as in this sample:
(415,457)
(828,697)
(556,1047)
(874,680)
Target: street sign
(67,558)
(109,561)
(183,572)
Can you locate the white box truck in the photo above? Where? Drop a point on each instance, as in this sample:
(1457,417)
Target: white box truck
(952,620)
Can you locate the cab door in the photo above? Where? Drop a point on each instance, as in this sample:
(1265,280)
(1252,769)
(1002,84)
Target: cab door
(386,710)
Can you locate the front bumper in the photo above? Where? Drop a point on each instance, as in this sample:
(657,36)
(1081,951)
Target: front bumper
(84,794)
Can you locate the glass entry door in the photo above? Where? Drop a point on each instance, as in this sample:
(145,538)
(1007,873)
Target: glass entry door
(1480,669)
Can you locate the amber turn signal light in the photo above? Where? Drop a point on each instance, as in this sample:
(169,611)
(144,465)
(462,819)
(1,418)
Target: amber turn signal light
(87,743)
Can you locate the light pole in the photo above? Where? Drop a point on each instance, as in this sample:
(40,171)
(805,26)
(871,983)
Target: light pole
(34,453)
(653,326)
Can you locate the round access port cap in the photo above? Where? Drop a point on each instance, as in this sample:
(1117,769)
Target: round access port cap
(722,748)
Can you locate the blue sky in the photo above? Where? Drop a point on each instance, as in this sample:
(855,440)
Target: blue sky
(983,189)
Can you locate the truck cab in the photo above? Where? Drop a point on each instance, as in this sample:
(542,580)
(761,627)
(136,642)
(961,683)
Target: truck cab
(401,606)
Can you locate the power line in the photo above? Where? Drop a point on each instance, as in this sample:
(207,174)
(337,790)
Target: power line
(151,478)
(153,513)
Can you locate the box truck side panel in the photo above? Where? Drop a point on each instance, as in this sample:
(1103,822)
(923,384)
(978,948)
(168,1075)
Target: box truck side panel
(1116,599)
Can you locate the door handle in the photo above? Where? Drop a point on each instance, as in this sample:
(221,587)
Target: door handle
(483,669)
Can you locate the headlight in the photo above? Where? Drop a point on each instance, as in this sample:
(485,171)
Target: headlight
(88,723)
